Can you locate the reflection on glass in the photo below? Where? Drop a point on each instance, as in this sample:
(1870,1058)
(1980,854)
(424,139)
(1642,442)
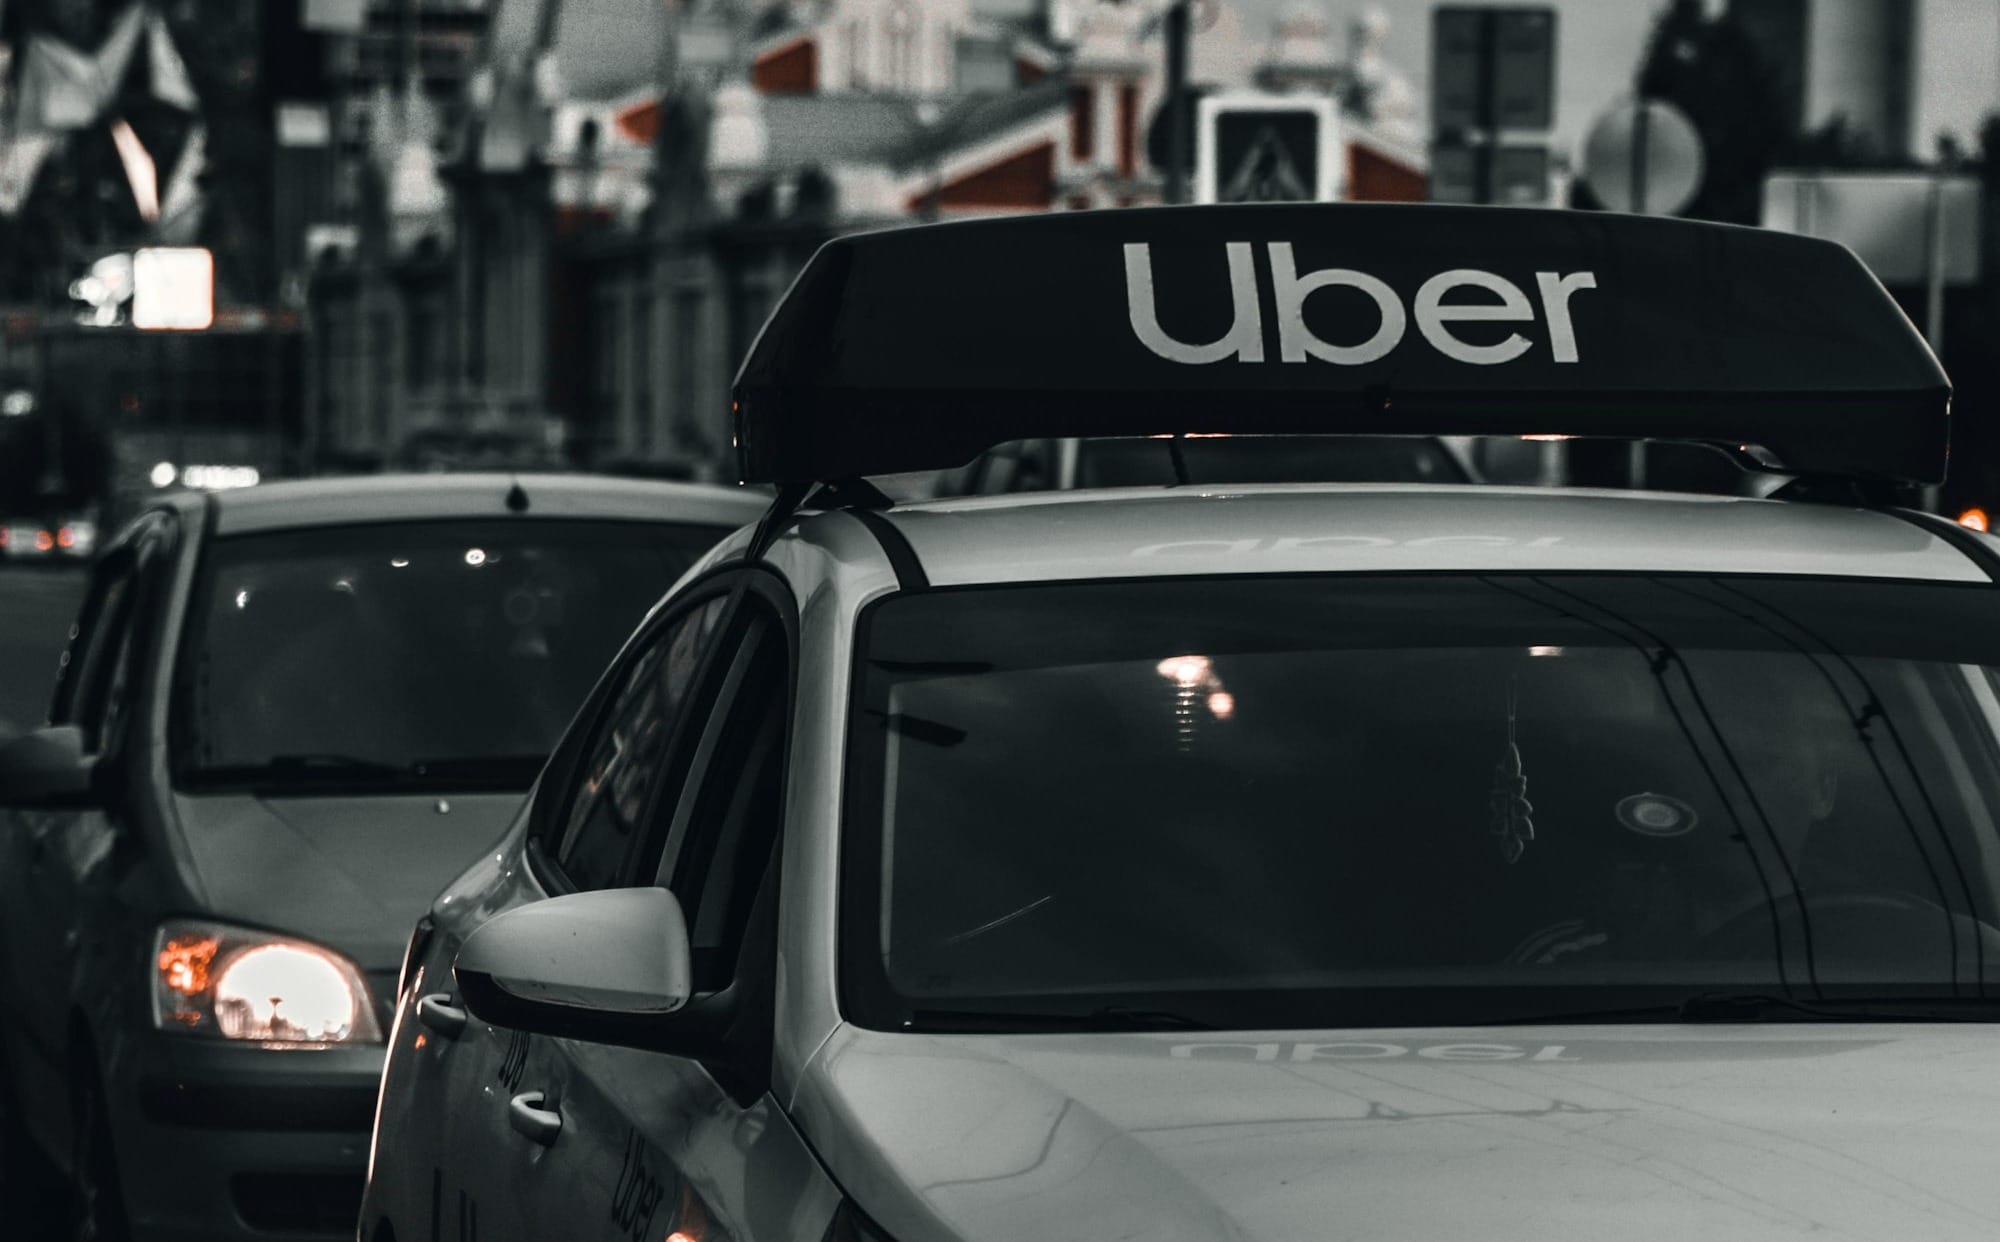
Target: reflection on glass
(1785,786)
(354,654)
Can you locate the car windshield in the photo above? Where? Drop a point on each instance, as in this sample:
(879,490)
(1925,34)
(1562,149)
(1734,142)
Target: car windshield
(446,654)
(1389,800)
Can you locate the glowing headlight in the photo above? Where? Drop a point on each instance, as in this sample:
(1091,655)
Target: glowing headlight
(233,983)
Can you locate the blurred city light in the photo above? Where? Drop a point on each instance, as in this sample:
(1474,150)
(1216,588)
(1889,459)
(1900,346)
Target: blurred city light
(216,478)
(1186,670)
(173,289)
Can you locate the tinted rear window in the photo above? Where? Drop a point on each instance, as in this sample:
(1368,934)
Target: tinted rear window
(446,653)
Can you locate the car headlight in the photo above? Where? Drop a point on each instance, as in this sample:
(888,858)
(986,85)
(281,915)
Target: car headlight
(233,983)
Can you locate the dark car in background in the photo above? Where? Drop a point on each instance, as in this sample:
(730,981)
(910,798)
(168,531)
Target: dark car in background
(287,716)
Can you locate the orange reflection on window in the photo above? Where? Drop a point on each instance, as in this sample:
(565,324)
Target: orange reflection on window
(184,964)
(1975,519)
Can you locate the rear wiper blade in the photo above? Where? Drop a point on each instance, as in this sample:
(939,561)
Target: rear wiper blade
(480,765)
(1107,1018)
(331,764)
(334,764)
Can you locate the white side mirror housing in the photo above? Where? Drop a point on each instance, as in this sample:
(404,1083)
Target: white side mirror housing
(545,967)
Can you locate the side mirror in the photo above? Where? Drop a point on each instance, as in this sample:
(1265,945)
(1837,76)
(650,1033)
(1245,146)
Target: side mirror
(47,770)
(608,967)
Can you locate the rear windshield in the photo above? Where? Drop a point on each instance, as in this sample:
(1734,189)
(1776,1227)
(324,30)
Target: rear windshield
(1384,800)
(1117,462)
(446,654)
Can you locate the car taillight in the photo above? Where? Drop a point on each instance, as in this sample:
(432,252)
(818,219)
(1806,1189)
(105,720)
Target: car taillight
(44,541)
(66,537)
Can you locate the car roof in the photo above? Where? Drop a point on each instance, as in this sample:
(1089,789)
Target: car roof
(1275,529)
(421,497)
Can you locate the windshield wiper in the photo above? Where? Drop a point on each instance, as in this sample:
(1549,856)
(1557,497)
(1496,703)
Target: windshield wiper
(1747,1007)
(1107,1018)
(333,765)
(493,766)
(322,766)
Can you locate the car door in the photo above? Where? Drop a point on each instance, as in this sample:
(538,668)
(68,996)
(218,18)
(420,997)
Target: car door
(56,866)
(653,1144)
(628,751)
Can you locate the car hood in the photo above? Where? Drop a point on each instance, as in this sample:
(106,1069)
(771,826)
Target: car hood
(1725,1134)
(352,873)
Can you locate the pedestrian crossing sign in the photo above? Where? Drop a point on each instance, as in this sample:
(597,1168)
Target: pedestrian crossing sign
(1260,148)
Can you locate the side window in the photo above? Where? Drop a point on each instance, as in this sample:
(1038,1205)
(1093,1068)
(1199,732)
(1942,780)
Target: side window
(627,762)
(93,667)
(723,836)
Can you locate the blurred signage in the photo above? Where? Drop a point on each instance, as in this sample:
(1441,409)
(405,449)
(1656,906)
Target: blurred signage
(1516,175)
(1644,156)
(1258,148)
(1521,176)
(1492,77)
(1456,175)
(1524,68)
(1493,68)
(173,288)
(1458,69)
(340,16)
(302,124)
(1887,219)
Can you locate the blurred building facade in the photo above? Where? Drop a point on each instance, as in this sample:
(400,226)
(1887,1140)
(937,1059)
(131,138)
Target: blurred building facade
(520,231)
(628,188)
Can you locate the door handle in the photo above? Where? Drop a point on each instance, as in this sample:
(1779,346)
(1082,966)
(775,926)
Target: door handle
(438,1013)
(528,1116)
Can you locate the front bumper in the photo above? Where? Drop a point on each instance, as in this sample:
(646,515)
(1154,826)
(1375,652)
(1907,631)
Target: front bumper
(221,1142)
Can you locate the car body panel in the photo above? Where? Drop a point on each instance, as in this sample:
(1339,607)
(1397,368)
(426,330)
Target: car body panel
(1363,528)
(313,865)
(1513,1134)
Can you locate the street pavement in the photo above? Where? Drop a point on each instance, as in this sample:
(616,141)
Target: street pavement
(37,606)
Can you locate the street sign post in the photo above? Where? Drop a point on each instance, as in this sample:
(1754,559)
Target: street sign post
(1257,148)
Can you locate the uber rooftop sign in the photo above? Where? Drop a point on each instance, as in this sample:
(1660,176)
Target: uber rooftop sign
(1504,303)
(917,348)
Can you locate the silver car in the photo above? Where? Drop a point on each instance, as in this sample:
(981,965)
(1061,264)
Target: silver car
(287,716)
(1216,862)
